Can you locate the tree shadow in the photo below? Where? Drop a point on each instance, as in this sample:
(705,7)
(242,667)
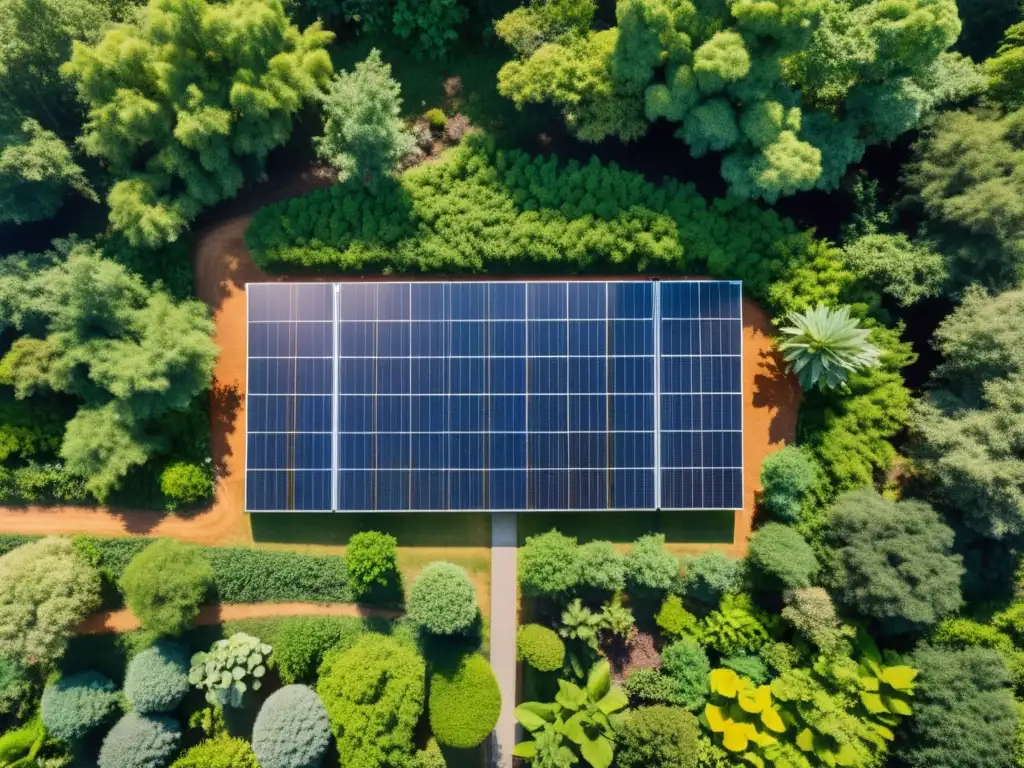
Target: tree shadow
(776,390)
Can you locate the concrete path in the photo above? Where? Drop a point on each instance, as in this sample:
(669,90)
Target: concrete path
(504,620)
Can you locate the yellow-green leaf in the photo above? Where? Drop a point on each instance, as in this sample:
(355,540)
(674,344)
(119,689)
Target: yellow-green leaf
(805,740)
(716,718)
(734,737)
(725,682)
(901,678)
(772,720)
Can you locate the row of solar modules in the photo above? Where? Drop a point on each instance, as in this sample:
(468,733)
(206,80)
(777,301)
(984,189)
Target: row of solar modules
(528,395)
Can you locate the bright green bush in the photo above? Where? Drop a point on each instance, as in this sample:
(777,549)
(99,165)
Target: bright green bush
(780,558)
(602,567)
(788,478)
(686,663)
(443,600)
(374,697)
(649,566)
(157,678)
(73,706)
(219,752)
(300,643)
(244,575)
(141,741)
(233,666)
(959,633)
(734,627)
(657,737)
(436,118)
(184,483)
(649,686)
(464,702)
(710,575)
(750,667)
(166,584)
(372,560)
(540,647)
(430,757)
(292,729)
(549,565)
(24,743)
(674,620)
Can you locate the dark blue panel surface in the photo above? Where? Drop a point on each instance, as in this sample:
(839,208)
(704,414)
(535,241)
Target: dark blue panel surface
(289,413)
(290,302)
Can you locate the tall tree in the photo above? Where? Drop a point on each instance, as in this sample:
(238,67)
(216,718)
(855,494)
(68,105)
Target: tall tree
(181,105)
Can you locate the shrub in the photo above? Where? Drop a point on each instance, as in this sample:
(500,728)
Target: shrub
(602,567)
(549,565)
(430,757)
(300,643)
(292,729)
(184,483)
(811,613)
(73,706)
(649,566)
(16,690)
(165,585)
(781,557)
(710,575)
(959,633)
(140,741)
(219,752)
(734,627)
(464,702)
(372,559)
(674,620)
(374,697)
(22,744)
(47,590)
(232,667)
(540,647)
(650,686)
(157,678)
(657,737)
(788,478)
(750,667)
(824,345)
(686,663)
(245,575)
(443,600)
(436,119)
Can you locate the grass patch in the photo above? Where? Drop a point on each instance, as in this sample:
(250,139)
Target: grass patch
(449,529)
(680,528)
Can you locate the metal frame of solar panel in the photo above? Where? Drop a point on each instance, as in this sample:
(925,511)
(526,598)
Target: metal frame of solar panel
(504,396)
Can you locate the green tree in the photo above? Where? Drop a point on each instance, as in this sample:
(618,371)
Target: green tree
(372,563)
(464,702)
(984,22)
(897,266)
(73,706)
(824,346)
(364,134)
(178,126)
(649,566)
(166,584)
(658,737)
(549,565)
(292,729)
(780,557)
(1005,70)
(788,478)
(891,562)
(686,665)
(443,600)
(430,25)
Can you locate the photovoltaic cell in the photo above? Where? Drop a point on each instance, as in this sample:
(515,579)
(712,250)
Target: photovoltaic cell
(539,395)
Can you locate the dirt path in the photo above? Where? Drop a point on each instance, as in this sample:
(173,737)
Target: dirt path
(125,621)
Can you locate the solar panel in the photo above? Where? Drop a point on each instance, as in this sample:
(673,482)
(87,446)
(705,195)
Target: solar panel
(531,395)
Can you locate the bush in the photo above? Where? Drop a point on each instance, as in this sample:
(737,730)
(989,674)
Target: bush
(244,575)
(674,620)
(436,119)
(648,685)
(781,557)
(464,702)
(549,565)
(374,697)
(430,757)
(602,567)
(73,706)
(157,678)
(22,744)
(17,690)
(443,600)
(657,737)
(540,647)
(710,575)
(961,633)
(47,590)
(735,627)
(301,642)
(811,613)
(292,729)
(184,484)
(372,560)
(750,667)
(233,666)
(140,741)
(219,752)
(686,663)
(165,584)
(788,478)
(649,566)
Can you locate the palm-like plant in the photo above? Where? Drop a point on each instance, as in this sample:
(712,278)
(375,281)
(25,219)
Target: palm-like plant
(823,346)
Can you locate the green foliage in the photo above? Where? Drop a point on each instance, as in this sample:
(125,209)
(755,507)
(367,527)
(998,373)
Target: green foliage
(291,730)
(741,716)
(166,584)
(244,575)
(686,664)
(435,118)
(549,565)
(824,346)
(431,26)
(18,691)
(301,642)
(581,625)
(964,713)
(649,566)
(374,697)
(897,266)
(582,716)
(184,484)
(657,737)
(73,706)
(780,556)
(602,567)
(176,126)
(157,678)
(750,667)
(540,647)
(372,560)
(616,617)
(464,702)
(23,743)
(140,741)
(648,685)
(443,600)
(364,135)
(1005,70)
(674,620)
(219,752)
(789,478)
(233,666)
(733,627)
(47,590)
(710,575)
(430,757)
(960,633)
(892,563)
(811,613)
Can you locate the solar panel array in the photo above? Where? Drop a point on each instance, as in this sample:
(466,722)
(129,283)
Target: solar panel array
(542,395)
